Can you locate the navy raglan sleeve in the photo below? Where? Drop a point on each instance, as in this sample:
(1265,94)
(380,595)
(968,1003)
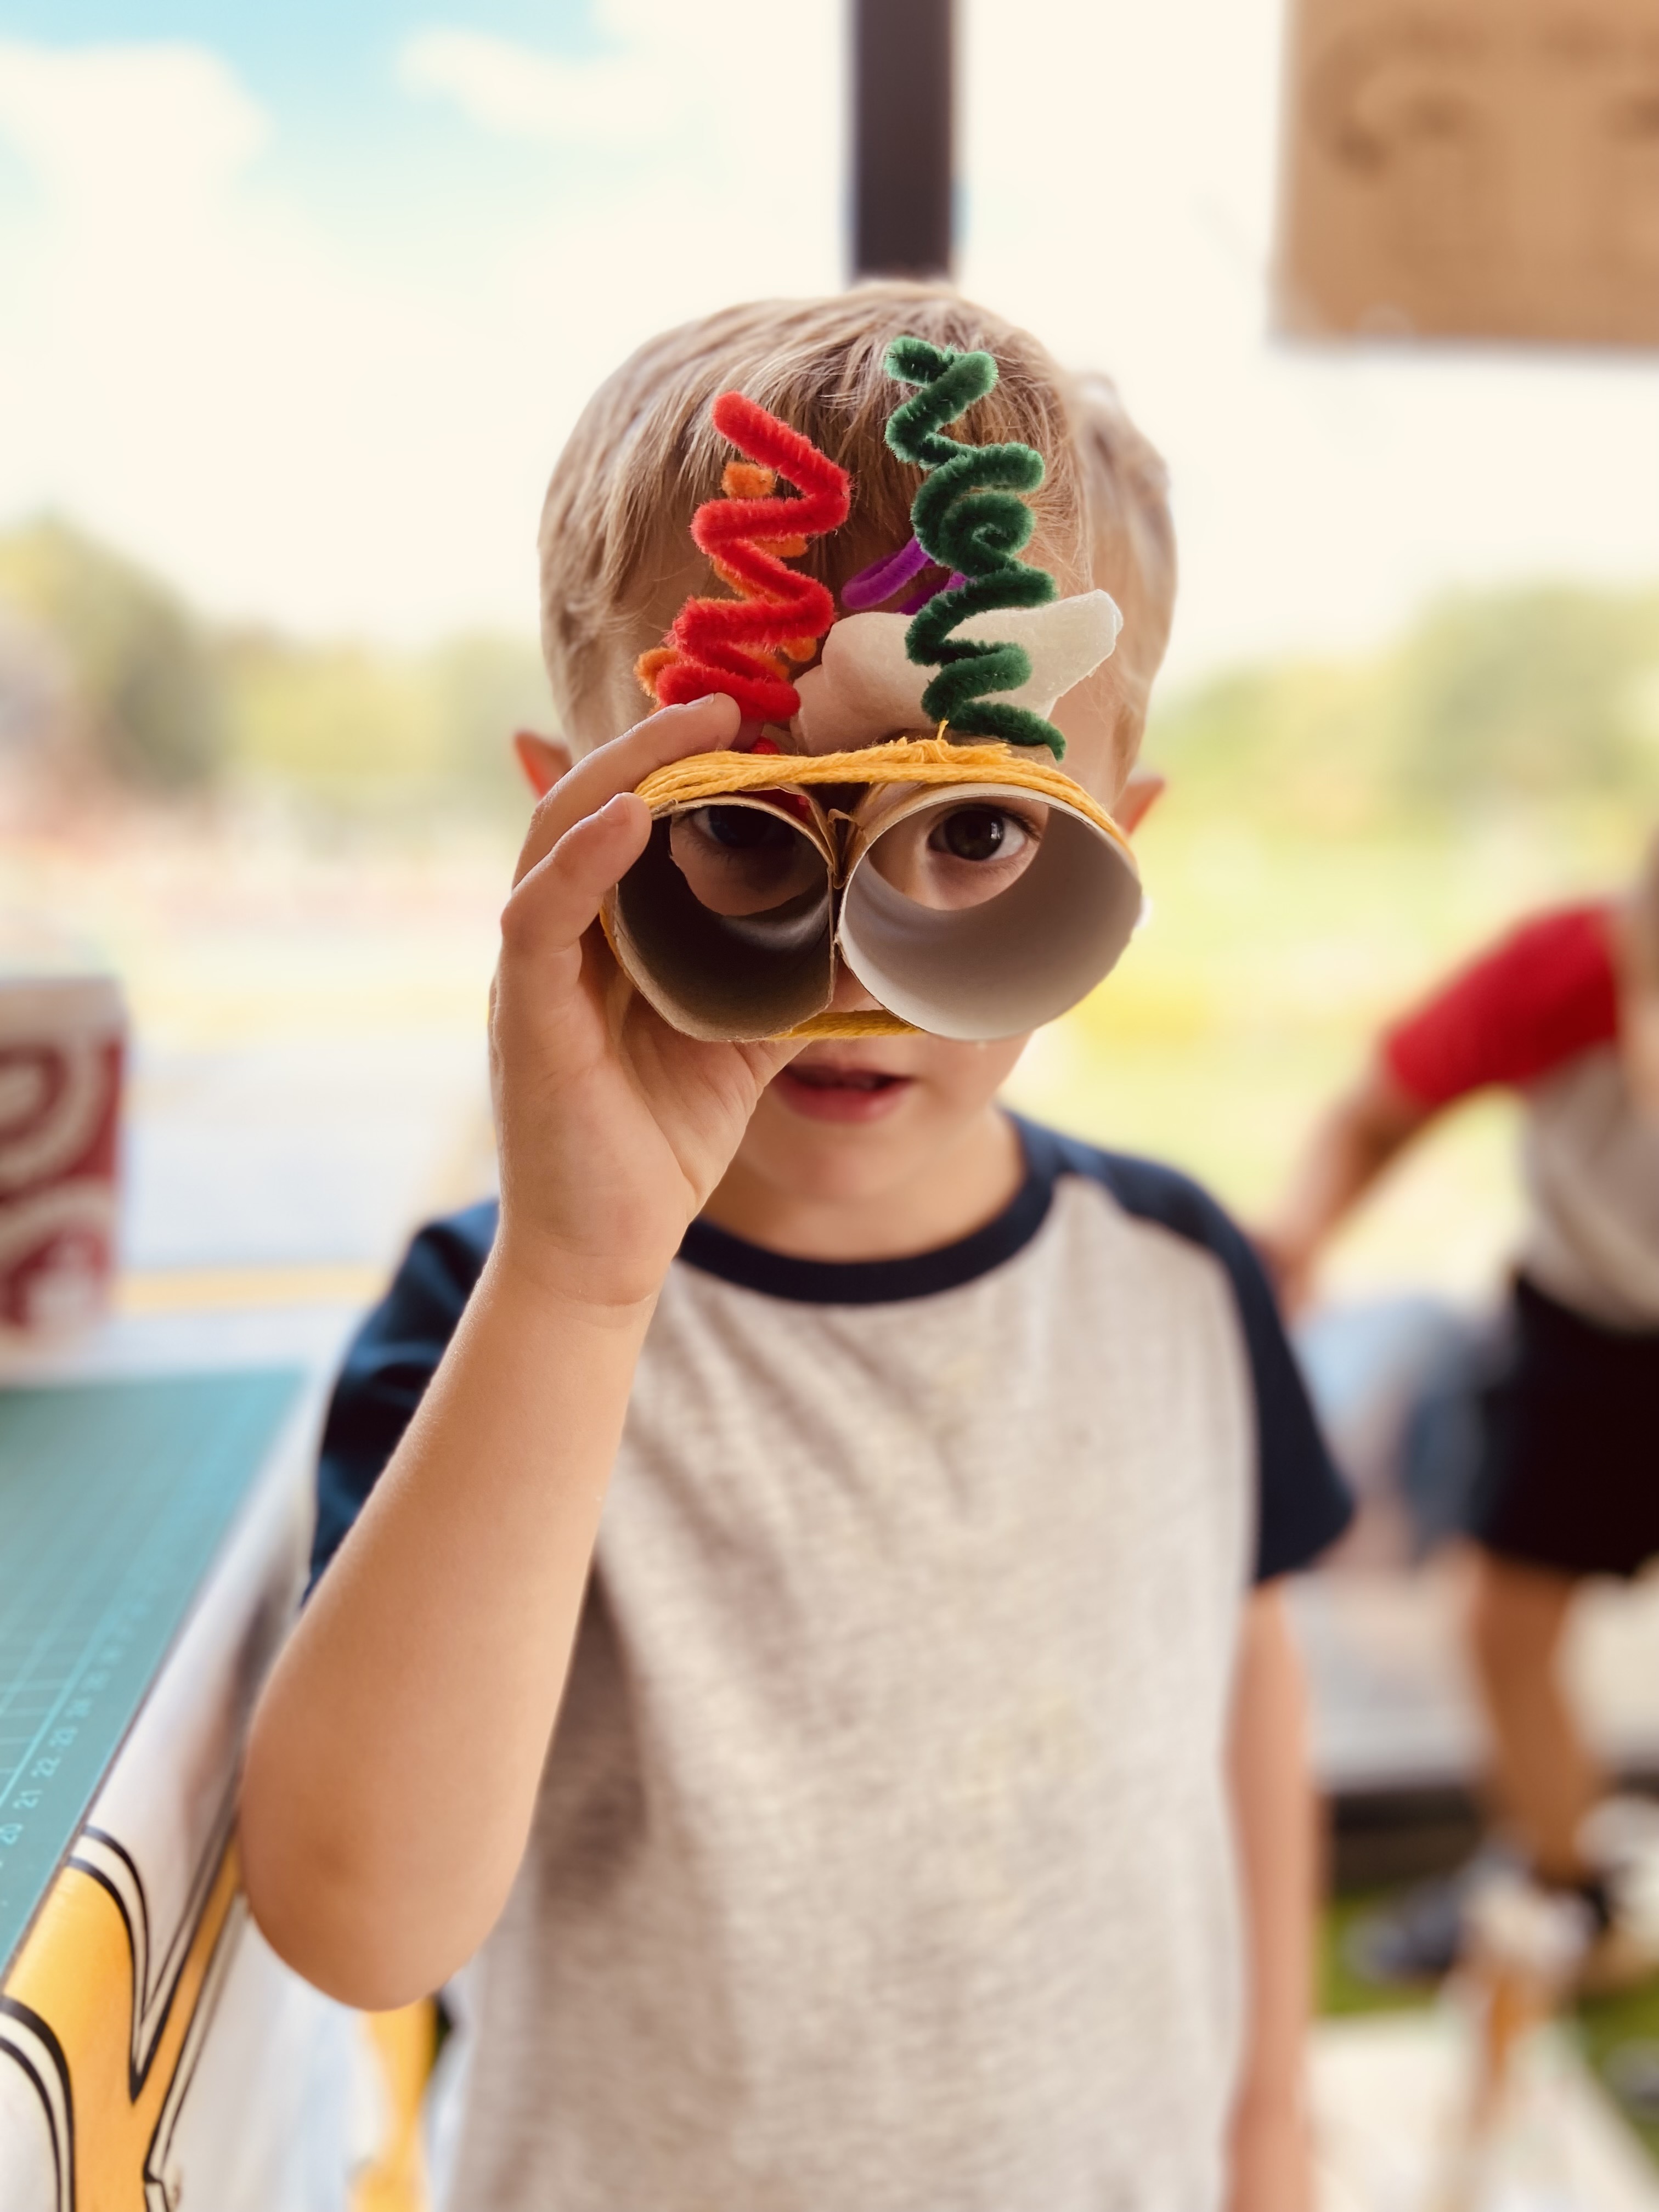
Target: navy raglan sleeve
(1303,1504)
(391,1359)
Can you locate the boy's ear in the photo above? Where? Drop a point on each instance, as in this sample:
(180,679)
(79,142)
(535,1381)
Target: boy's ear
(543,760)
(1134,801)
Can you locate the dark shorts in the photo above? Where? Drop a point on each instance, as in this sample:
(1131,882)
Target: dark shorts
(1570,1473)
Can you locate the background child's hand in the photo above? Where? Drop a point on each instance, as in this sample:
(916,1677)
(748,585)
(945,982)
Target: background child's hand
(613,1127)
(1290,1268)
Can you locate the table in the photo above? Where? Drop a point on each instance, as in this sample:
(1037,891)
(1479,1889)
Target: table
(154,2055)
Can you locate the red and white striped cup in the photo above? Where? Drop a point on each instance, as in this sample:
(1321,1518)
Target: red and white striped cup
(63,1040)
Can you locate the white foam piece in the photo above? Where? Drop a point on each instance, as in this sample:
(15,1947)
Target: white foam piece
(866,687)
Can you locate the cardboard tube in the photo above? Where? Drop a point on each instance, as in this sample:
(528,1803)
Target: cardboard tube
(973,972)
(719,976)
(1012,964)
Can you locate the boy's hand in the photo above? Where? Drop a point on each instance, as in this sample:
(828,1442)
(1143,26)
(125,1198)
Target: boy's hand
(613,1127)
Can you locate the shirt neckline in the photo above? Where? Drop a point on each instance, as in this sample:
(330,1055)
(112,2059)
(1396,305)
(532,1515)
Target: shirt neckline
(717,1252)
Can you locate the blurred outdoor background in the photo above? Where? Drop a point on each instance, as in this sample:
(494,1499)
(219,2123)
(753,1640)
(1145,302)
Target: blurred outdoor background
(295,313)
(293,848)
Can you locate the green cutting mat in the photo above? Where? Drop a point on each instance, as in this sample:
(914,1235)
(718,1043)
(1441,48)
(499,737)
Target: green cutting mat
(114,1497)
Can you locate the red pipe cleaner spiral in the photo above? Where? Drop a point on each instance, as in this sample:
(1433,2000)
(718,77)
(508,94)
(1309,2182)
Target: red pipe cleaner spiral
(739,645)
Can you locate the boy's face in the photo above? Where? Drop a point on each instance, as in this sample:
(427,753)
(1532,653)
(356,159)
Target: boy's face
(1103,719)
(851,1120)
(1101,725)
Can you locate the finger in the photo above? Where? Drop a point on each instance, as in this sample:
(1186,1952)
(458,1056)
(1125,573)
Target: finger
(771,1057)
(552,908)
(543,760)
(668,735)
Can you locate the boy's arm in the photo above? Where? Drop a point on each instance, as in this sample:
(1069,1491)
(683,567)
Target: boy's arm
(1546,993)
(1273,1819)
(1350,1148)
(393,1762)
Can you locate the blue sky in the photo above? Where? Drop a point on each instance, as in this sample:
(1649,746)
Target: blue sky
(347,143)
(326,66)
(302,320)
(299,302)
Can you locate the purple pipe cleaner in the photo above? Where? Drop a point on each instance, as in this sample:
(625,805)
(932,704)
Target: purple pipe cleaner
(874,586)
(918,600)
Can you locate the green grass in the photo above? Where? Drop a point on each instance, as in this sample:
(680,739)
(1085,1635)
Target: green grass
(1341,1992)
(1604,2023)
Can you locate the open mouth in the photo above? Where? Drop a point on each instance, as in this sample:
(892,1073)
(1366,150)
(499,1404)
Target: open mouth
(827,1091)
(844,1078)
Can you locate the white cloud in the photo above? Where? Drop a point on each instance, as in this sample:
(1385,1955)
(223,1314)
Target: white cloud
(511,90)
(300,426)
(143,127)
(668,78)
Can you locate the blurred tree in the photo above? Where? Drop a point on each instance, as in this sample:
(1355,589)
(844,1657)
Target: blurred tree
(338,719)
(1526,695)
(355,725)
(1303,741)
(1528,699)
(488,687)
(144,703)
(1491,700)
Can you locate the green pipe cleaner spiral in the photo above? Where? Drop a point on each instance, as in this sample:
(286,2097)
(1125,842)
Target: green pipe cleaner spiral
(969,517)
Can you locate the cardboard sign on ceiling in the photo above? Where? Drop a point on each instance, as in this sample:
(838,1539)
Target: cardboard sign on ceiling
(1472,169)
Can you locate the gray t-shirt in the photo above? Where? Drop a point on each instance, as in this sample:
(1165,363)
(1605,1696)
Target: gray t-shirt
(1592,1168)
(882,1860)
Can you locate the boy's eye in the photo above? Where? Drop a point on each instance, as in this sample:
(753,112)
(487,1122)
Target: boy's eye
(979,833)
(745,828)
(743,860)
(948,857)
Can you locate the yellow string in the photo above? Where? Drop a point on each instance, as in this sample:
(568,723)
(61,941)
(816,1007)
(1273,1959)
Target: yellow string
(866,1022)
(705,777)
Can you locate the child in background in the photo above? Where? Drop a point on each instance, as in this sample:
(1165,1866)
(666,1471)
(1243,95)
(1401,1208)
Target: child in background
(1566,1009)
(798,1587)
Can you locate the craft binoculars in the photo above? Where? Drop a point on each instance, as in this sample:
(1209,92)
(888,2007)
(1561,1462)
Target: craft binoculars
(975,891)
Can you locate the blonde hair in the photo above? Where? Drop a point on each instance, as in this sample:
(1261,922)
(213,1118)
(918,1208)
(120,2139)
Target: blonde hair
(616,558)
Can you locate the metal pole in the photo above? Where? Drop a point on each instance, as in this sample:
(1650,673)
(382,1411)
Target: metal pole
(903,171)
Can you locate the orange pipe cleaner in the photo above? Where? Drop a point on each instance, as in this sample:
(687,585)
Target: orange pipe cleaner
(739,645)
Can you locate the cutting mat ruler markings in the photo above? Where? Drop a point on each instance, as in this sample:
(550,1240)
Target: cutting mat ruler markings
(114,1497)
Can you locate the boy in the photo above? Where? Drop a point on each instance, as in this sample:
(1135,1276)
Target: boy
(1566,1009)
(882,1855)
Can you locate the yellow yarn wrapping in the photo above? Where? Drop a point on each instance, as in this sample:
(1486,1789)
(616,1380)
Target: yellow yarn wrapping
(704,776)
(866,1022)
